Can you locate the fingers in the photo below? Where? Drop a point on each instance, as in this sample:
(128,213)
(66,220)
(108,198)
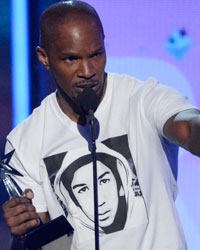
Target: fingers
(18,209)
(19,214)
(17,220)
(24,227)
(14,202)
(28,193)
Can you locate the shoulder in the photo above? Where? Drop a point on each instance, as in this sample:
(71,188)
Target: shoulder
(134,86)
(121,79)
(32,126)
(123,84)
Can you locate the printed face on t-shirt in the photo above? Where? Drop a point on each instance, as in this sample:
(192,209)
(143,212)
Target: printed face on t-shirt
(121,204)
(82,186)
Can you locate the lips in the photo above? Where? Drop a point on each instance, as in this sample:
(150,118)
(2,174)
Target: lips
(83,85)
(104,216)
(88,85)
(92,85)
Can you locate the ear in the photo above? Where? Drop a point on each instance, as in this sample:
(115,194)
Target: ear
(43,58)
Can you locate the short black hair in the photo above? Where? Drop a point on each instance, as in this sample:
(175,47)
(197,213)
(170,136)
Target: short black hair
(60,12)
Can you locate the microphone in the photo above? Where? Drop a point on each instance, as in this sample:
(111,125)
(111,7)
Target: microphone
(87,103)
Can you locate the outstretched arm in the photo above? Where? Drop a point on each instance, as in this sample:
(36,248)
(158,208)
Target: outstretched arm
(184,129)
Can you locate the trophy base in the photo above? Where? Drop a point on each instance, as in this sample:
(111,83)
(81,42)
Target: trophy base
(47,233)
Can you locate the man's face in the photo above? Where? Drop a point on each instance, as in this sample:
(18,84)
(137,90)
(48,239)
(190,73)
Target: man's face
(82,187)
(77,57)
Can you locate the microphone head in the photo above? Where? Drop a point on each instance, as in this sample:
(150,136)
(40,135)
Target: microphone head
(87,100)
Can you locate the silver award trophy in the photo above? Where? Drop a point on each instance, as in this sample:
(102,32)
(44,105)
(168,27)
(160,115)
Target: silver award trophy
(44,233)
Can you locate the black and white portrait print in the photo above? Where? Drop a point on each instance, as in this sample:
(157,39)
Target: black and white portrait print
(120,201)
(77,179)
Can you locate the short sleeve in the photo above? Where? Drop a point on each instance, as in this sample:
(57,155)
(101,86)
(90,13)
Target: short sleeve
(162,102)
(26,181)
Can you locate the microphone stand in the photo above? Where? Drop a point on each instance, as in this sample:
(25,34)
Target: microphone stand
(90,120)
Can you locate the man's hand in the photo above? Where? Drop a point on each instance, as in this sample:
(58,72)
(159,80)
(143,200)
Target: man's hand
(20,215)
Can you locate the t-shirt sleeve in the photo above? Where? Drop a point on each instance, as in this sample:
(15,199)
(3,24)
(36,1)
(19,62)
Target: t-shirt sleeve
(162,102)
(26,181)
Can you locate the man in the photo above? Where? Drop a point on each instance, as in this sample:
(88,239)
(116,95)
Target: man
(133,119)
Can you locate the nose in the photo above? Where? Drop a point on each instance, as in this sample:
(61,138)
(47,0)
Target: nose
(101,199)
(86,69)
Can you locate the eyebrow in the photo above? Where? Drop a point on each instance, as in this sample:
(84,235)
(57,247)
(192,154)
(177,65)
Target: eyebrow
(71,54)
(101,176)
(79,185)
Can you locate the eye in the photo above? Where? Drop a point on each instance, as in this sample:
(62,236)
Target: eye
(71,59)
(83,189)
(97,54)
(104,181)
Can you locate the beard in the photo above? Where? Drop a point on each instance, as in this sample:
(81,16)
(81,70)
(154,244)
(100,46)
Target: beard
(74,100)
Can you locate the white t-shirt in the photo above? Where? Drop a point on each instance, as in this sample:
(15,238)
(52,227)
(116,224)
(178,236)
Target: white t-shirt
(135,182)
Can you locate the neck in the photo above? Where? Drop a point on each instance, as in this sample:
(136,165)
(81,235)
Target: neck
(68,110)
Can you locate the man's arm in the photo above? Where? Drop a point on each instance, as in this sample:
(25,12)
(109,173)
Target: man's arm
(184,129)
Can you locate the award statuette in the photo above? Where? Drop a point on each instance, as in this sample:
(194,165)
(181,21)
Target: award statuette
(44,233)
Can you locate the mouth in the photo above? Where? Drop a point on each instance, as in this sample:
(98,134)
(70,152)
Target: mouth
(104,216)
(91,85)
